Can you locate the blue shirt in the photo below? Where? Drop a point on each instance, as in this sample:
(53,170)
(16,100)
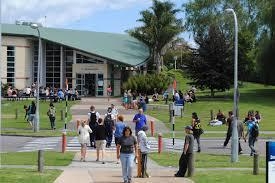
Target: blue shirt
(141,122)
(119,129)
(250,125)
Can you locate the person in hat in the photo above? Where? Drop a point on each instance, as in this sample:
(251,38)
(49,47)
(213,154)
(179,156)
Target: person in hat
(187,154)
(144,149)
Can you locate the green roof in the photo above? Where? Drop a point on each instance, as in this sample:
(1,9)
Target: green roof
(117,47)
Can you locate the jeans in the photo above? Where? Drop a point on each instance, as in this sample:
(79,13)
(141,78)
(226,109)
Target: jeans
(251,142)
(109,137)
(197,138)
(52,120)
(127,163)
(144,164)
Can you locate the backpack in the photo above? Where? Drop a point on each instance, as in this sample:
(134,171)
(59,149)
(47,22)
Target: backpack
(51,112)
(255,131)
(109,122)
(197,127)
(92,122)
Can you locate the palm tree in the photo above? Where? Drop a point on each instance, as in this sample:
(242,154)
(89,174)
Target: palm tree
(160,26)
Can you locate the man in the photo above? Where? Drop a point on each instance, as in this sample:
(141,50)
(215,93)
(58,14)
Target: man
(253,132)
(114,111)
(229,129)
(109,123)
(240,134)
(187,154)
(93,117)
(140,120)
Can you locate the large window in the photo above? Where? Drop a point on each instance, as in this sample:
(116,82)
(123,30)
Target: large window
(52,65)
(10,64)
(68,60)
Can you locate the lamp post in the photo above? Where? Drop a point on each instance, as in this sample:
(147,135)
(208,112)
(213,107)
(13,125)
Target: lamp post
(37,117)
(175,58)
(234,141)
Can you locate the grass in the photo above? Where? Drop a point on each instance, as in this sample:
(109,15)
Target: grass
(30,158)
(253,96)
(11,125)
(203,160)
(11,175)
(228,176)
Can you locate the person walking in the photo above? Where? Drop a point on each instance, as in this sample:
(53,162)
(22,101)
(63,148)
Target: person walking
(93,117)
(83,137)
(119,127)
(109,92)
(229,128)
(100,139)
(253,132)
(126,152)
(51,113)
(109,123)
(185,161)
(240,135)
(114,111)
(144,149)
(140,120)
(197,130)
(32,111)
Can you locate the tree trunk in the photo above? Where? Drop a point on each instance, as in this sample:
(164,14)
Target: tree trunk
(158,61)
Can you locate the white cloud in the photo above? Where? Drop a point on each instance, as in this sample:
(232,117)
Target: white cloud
(60,12)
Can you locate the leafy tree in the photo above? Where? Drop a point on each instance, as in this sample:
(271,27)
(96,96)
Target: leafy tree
(160,26)
(210,66)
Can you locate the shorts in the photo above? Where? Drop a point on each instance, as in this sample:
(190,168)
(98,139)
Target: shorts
(100,144)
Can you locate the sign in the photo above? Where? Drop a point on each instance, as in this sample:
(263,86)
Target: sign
(270,162)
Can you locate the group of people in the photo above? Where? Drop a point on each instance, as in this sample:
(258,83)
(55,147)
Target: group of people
(132,100)
(99,132)
(252,125)
(30,112)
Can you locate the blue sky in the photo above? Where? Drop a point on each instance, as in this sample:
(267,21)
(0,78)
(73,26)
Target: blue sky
(114,16)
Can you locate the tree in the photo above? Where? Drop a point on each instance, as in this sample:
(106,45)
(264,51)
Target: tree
(210,66)
(201,14)
(160,26)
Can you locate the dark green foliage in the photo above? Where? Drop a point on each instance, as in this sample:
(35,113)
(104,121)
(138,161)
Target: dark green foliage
(148,83)
(159,26)
(211,65)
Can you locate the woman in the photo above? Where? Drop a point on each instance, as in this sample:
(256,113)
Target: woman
(126,147)
(51,113)
(84,137)
(119,127)
(197,130)
(109,92)
(100,139)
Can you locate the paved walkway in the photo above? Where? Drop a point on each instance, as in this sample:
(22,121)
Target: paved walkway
(96,172)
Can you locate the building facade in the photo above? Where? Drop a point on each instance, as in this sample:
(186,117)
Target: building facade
(87,61)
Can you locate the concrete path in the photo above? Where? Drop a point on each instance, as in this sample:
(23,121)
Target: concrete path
(110,172)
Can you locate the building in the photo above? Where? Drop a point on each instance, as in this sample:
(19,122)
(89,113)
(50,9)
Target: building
(88,61)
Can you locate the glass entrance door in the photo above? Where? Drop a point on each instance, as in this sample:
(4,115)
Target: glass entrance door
(86,84)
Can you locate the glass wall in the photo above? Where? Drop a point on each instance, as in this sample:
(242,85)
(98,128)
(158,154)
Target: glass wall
(68,60)
(52,65)
(10,64)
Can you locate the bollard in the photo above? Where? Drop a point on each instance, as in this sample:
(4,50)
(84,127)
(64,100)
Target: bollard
(152,127)
(171,109)
(16,113)
(62,114)
(190,165)
(77,124)
(139,174)
(159,143)
(40,161)
(211,115)
(64,142)
(256,164)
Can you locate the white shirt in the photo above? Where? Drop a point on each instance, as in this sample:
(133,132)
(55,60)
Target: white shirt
(96,113)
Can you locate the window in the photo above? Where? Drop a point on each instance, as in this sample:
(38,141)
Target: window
(10,64)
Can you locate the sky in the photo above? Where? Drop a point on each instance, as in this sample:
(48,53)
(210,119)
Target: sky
(115,16)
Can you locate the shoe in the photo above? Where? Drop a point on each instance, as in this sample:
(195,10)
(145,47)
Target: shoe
(198,150)
(117,162)
(177,175)
(103,162)
(84,160)
(241,152)
(96,160)
(81,159)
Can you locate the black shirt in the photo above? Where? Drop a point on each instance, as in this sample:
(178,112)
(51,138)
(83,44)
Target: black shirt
(100,132)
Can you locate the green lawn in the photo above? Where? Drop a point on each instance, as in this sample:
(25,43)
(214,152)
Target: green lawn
(11,175)
(252,97)
(30,158)
(206,160)
(228,176)
(18,126)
